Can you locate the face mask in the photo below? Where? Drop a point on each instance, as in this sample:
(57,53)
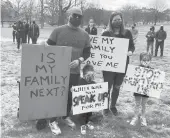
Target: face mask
(116,24)
(145,63)
(89,77)
(75,22)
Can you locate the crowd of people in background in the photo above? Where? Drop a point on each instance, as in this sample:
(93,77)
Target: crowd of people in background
(24,31)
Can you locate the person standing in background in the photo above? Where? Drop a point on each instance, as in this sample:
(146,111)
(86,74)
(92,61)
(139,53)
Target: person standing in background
(91,29)
(34,32)
(160,38)
(26,29)
(19,34)
(150,40)
(134,33)
(29,32)
(104,28)
(14,32)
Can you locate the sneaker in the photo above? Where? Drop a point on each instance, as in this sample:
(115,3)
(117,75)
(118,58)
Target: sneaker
(134,121)
(41,124)
(90,125)
(83,130)
(143,121)
(69,122)
(54,128)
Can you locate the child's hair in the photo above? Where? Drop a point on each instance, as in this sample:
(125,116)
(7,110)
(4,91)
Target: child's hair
(145,56)
(87,68)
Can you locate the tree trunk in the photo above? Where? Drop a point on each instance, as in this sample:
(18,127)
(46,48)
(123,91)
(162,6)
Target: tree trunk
(42,14)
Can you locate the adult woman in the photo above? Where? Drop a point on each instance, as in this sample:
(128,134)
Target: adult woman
(91,29)
(116,29)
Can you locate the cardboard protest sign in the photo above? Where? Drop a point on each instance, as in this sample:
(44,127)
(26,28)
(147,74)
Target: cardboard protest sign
(108,53)
(44,81)
(90,98)
(145,81)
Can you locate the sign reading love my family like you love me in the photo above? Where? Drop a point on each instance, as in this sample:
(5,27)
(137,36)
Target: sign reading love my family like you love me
(145,81)
(44,81)
(90,98)
(108,53)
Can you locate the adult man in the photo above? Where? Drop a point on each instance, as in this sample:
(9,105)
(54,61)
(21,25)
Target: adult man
(72,36)
(150,39)
(26,29)
(160,37)
(14,32)
(34,32)
(91,29)
(20,33)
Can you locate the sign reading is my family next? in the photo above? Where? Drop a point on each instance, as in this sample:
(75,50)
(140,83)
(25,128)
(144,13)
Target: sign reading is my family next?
(44,81)
(145,81)
(108,53)
(90,98)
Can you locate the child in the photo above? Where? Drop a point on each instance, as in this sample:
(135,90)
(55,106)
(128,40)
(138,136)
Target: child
(141,100)
(88,78)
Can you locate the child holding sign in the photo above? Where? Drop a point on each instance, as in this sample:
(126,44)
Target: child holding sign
(141,99)
(88,78)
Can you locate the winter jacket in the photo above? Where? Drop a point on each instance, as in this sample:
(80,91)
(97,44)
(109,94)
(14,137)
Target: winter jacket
(161,34)
(34,30)
(150,36)
(93,31)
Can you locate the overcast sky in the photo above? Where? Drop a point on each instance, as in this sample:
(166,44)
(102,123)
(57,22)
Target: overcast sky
(116,4)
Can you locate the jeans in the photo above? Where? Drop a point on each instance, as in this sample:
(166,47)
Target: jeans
(116,80)
(150,46)
(74,79)
(161,45)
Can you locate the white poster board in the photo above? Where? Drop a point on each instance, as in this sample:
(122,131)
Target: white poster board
(90,98)
(108,53)
(145,81)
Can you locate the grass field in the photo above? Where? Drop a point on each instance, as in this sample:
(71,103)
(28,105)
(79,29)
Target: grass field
(158,111)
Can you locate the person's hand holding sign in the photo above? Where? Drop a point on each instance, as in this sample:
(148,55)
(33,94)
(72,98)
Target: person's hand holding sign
(129,53)
(76,63)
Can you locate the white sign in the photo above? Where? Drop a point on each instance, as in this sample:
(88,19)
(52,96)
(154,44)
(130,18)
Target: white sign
(145,81)
(108,53)
(90,98)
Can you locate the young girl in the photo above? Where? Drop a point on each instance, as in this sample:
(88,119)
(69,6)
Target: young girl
(88,78)
(141,100)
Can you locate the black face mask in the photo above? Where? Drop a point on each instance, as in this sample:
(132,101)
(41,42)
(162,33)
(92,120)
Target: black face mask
(117,24)
(75,22)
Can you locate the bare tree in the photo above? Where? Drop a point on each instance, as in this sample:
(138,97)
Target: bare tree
(64,5)
(42,12)
(51,10)
(6,7)
(28,10)
(158,6)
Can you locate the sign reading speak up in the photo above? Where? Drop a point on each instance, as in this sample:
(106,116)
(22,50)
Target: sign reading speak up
(44,81)
(108,53)
(90,98)
(145,81)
